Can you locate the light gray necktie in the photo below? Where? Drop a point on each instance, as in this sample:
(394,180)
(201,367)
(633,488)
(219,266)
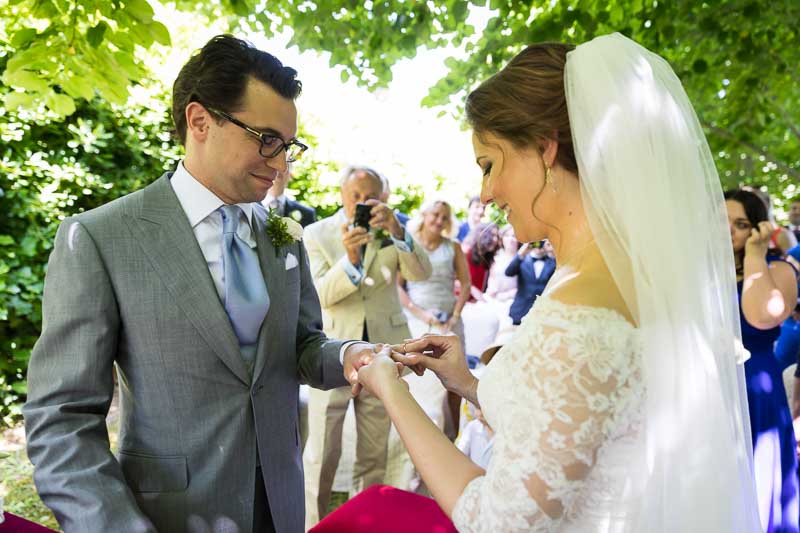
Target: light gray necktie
(246,297)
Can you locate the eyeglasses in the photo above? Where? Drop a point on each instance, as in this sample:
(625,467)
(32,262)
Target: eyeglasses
(271,145)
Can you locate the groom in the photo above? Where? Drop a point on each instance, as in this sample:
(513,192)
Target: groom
(210,325)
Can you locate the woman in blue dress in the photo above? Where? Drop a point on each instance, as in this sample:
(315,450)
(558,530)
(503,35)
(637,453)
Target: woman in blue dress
(767,291)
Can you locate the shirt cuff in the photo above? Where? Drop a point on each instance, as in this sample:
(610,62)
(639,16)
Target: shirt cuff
(355,273)
(344,347)
(406,244)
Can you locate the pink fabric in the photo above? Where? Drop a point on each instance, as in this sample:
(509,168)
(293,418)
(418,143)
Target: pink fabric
(386,510)
(15,524)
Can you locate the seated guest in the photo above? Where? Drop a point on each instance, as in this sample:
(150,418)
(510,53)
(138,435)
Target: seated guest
(477,438)
(533,269)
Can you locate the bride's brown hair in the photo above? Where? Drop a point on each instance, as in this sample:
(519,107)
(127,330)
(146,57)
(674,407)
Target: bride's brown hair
(525,102)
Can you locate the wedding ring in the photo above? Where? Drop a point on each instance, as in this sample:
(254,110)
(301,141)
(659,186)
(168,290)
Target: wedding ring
(404,348)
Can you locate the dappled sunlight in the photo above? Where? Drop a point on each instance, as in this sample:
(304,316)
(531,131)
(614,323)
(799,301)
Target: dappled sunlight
(71,236)
(767,462)
(775,304)
(386,273)
(749,280)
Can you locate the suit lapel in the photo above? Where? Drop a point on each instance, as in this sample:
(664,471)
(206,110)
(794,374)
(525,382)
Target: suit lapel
(273,267)
(372,252)
(169,243)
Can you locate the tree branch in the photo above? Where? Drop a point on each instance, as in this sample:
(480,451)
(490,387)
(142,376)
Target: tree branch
(725,134)
(789,122)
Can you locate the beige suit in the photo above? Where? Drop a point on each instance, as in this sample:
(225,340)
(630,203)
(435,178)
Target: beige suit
(345,309)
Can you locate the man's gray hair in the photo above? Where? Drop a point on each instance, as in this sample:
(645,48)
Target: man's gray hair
(348,172)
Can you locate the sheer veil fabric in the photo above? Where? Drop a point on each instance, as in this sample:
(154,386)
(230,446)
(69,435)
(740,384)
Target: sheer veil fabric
(655,206)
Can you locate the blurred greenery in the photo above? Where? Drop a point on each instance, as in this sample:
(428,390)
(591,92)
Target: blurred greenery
(16,473)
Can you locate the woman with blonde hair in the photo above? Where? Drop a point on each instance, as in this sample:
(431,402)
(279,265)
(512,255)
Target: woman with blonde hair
(432,307)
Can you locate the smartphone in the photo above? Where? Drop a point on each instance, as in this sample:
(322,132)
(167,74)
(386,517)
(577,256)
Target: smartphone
(362,216)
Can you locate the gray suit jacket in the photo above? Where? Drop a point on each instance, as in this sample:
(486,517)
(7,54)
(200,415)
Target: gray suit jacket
(127,283)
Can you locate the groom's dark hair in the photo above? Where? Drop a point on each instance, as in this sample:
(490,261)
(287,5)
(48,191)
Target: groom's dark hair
(217,75)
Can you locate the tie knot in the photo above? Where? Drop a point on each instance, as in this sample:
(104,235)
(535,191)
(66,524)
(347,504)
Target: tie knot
(230,218)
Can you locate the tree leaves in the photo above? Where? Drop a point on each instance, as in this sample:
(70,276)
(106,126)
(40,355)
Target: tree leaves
(95,34)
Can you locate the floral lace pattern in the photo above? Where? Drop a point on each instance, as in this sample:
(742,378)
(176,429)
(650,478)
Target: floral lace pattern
(564,397)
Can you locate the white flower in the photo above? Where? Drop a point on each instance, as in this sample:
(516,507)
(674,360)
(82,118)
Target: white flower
(294,229)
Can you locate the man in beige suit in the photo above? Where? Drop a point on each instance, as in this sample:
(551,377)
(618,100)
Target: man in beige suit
(354,272)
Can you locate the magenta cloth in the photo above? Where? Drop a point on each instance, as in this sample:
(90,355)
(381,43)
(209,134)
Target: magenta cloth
(382,509)
(15,524)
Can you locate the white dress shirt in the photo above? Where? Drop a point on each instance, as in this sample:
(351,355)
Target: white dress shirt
(538,265)
(280,203)
(200,206)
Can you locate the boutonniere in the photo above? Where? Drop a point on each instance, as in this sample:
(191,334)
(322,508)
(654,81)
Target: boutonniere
(282,231)
(383,237)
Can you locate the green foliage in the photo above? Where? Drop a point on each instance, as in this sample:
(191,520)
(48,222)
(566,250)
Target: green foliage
(16,473)
(67,51)
(49,170)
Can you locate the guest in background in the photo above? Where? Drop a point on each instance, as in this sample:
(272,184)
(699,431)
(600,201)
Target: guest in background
(548,249)
(782,239)
(477,439)
(794,217)
(533,269)
(766,286)
(480,246)
(286,207)
(355,276)
(501,289)
(387,192)
(474,216)
(431,307)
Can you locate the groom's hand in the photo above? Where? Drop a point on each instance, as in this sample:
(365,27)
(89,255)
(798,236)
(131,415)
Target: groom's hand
(357,355)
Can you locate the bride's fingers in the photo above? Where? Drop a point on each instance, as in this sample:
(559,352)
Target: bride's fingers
(408,359)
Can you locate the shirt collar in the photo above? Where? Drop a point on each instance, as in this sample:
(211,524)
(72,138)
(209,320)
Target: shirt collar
(196,200)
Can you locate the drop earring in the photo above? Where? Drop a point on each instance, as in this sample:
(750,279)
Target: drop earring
(548,177)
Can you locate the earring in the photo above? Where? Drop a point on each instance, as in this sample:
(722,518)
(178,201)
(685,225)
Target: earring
(548,178)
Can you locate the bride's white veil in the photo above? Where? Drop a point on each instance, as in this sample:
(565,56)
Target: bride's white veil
(655,205)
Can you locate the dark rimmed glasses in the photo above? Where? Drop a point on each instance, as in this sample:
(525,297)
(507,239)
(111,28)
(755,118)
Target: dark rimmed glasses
(271,145)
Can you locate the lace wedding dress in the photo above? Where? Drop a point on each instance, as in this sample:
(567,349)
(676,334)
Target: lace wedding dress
(565,399)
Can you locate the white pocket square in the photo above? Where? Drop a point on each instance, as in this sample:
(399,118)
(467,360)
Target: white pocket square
(291,261)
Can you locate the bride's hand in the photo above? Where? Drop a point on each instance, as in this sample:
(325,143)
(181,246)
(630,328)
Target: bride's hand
(443,355)
(381,374)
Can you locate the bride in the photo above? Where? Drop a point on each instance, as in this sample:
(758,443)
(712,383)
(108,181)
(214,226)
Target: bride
(618,405)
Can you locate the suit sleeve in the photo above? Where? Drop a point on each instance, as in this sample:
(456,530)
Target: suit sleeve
(332,282)
(415,265)
(70,387)
(513,266)
(317,356)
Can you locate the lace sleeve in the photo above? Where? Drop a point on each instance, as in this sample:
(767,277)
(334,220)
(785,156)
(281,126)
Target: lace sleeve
(554,398)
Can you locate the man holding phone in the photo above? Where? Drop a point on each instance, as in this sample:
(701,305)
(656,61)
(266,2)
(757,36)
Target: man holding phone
(355,256)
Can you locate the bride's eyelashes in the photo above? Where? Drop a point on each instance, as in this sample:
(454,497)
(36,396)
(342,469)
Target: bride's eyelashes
(487,169)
